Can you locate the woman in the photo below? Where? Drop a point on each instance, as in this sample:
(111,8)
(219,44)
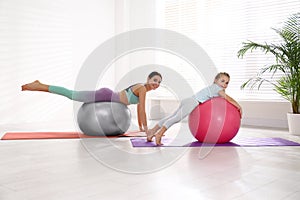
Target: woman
(134,94)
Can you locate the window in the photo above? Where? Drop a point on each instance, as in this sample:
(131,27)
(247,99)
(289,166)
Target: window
(221,26)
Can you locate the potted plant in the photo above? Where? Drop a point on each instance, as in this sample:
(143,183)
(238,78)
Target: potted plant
(287,54)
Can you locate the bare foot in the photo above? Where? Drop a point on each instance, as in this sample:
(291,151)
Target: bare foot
(158,139)
(35,86)
(151,132)
(150,135)
(159,135)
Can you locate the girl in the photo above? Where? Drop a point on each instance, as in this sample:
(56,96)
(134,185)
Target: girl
(134,94)
(188,105)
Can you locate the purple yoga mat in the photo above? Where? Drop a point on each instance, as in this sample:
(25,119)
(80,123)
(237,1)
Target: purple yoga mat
(241,142)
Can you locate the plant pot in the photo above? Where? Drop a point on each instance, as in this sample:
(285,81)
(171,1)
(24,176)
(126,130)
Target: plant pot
(294,123)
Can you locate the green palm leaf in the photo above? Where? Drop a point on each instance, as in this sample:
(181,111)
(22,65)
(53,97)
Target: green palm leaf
(287,55)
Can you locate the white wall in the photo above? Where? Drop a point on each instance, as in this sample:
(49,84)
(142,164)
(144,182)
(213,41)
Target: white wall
(46,40)
(265,114)
(131,15)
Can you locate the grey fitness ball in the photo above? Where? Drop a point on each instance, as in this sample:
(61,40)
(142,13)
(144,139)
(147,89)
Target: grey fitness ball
(104,118)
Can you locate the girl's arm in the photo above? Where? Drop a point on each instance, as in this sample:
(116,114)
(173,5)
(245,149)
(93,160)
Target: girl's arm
(142,119)
(231,100)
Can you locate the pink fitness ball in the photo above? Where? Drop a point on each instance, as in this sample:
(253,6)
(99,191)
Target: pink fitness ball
(215,121)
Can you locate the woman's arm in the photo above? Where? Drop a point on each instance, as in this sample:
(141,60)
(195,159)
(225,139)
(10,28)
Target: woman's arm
(231,100)
(139,118)
(142,119)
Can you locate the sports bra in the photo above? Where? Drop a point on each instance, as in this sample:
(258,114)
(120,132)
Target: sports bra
(131,97)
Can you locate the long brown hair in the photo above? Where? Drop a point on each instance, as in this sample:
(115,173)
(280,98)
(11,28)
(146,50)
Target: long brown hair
(154,73)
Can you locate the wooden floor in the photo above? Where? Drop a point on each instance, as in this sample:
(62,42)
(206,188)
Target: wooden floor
(94,169)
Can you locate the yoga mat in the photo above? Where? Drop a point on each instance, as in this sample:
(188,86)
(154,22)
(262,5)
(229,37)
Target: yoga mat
(61,135)
(241,142)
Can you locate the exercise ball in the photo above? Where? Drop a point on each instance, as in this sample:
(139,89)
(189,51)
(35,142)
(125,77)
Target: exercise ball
(214,121)
(103,118)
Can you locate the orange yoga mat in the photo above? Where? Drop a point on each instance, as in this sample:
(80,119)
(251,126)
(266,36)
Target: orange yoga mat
(61,135)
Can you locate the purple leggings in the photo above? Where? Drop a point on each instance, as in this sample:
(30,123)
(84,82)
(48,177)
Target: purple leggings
(105,95)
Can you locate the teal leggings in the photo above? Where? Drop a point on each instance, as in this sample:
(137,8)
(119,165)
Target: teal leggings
(101,95)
